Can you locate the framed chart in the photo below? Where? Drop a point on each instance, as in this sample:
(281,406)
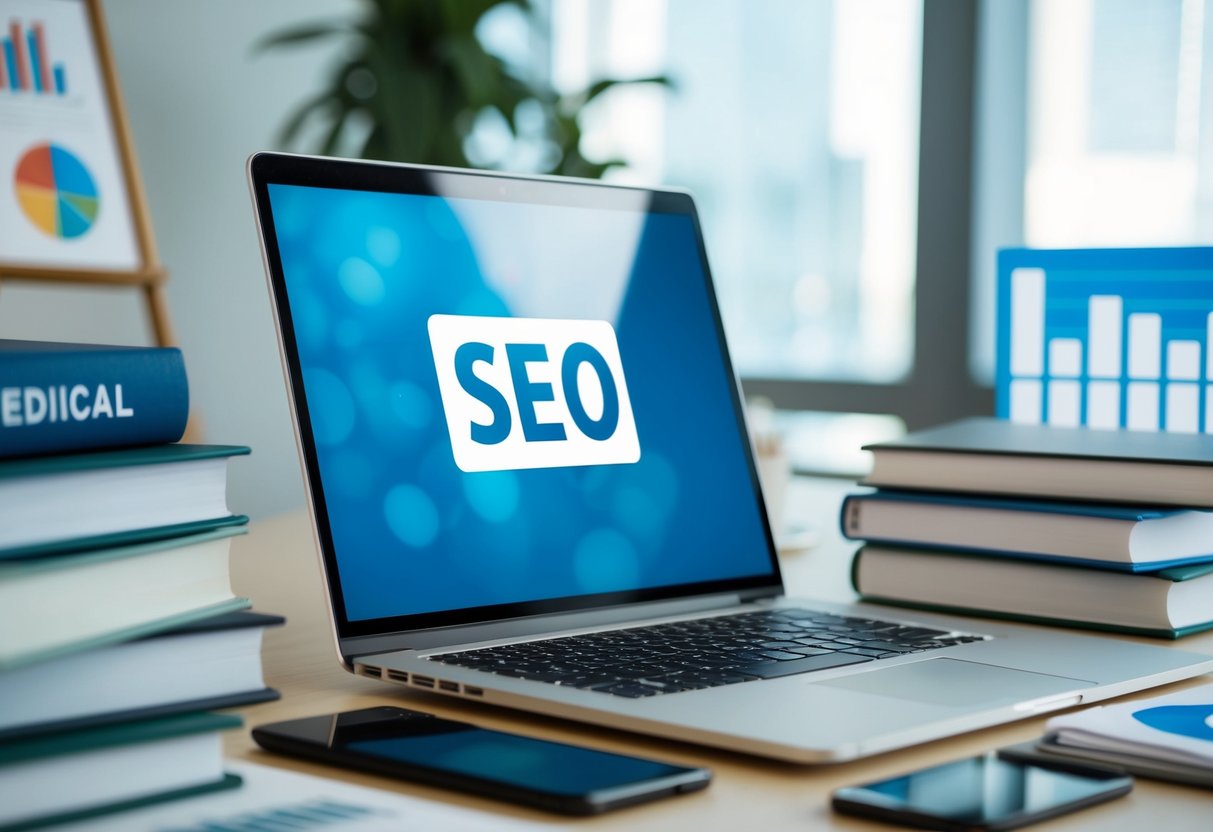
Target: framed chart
(72,207)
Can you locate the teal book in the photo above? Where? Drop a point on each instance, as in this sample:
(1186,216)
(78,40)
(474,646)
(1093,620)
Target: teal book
(72,502)
(998,458)
(201,666)
(57,605)
(57,397)
(1094,535)
(82,774)
(1170,603)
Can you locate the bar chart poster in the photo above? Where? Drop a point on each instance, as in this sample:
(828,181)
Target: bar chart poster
(1106,338)
(63,196)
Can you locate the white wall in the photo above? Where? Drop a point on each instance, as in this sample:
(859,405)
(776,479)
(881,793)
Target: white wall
(199,103)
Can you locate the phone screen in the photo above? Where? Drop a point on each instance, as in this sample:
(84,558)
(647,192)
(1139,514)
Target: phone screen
(986,791)
(421,742)
(517,761)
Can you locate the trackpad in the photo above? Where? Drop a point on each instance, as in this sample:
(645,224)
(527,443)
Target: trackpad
(956,683)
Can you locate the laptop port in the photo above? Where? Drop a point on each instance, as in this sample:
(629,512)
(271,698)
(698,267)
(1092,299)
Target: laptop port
(451,686)
(395,675)
(422,681)
(369,671)
(471,691)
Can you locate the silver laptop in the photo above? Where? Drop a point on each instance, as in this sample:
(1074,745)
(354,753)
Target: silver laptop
(532,484)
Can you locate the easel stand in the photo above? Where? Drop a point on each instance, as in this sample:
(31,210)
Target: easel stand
(148,275)
(150,282)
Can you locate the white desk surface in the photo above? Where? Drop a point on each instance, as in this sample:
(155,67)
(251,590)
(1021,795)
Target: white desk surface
(276,566)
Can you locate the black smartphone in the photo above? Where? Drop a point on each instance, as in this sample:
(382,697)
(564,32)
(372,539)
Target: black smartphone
(426,749)
(987,792)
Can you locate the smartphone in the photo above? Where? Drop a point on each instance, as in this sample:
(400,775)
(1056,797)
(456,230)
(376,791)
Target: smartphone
(423,748)
(987,792)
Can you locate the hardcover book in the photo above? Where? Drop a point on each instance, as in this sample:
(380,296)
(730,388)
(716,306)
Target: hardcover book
(58,605)
(991,456)
(66,397)
(69,502)
(1169,603)
(209,664)
(1129,538)
(76,775)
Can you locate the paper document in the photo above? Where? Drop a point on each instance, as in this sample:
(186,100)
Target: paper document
(285,801)
(1177,728)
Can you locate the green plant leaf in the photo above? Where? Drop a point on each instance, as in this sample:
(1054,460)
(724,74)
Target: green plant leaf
(574,102)
(331,139)
(432,76)
(301,35)
(294,123)
(405,106)
(478,72)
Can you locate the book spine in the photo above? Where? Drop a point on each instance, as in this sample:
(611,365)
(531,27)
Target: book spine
(89,399)
(848,517)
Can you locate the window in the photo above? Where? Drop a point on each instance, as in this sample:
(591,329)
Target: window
(1098,132)
(796,126)
(1114,124)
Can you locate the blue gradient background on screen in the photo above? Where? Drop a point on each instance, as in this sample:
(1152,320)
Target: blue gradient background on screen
(414,534)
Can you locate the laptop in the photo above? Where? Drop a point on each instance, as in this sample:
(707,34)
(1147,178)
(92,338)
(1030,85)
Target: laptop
(532,485)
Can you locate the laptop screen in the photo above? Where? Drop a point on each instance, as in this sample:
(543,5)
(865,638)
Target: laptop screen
(513,395)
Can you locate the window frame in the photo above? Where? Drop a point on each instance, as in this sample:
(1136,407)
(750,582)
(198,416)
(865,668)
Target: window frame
(939,386)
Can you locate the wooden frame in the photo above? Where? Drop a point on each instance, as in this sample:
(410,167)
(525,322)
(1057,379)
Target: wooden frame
(147,274)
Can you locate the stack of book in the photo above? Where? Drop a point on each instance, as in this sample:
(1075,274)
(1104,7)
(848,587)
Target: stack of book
(118,625)
(1100,529)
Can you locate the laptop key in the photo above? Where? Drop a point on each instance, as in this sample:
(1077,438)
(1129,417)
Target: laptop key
(631,690)
(557,677)
(661,685)
(803,664)
(780,655)
(916,633)
(885,646)
(875,654)
(590,682)
(809,651)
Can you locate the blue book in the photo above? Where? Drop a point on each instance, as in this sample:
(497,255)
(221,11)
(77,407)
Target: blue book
(1123,538)
(69,397)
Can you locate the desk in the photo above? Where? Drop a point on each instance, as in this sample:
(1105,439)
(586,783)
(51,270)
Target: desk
(276,566)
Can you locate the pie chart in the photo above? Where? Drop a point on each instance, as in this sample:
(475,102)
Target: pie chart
(56,192)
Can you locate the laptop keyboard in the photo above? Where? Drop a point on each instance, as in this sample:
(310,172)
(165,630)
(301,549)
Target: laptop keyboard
(705,652)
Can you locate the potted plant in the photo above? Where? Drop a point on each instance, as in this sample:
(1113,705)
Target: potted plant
(416,80)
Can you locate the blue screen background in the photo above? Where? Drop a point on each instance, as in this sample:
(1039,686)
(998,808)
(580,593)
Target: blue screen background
(414,534)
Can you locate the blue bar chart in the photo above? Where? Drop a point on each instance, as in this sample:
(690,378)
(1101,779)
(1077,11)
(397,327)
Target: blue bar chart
(1109,338)
(25,65)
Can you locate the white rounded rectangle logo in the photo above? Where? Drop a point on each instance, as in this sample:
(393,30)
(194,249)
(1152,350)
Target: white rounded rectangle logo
(532,392)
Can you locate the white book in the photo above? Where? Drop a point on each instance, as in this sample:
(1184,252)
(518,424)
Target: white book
(78,774)
(51,606)
(214,663)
